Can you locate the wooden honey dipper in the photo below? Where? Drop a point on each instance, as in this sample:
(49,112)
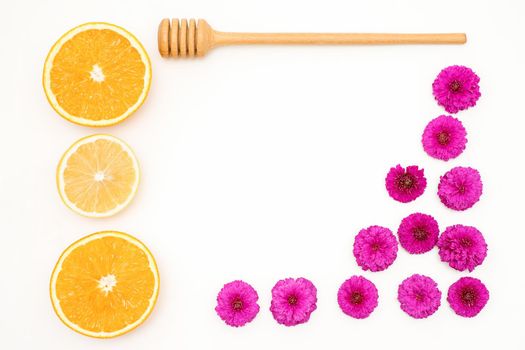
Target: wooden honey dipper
(189,38)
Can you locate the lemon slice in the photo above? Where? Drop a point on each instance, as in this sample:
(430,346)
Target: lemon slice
(98,176)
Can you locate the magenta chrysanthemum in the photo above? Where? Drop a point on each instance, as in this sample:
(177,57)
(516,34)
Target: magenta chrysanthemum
(418,233)
(357,297)
(405,185)
(460,188)
(467,296)
(444,138)
(462,247)
(237,303)
(456,88)
(293,300)
(375,248)
(419,296)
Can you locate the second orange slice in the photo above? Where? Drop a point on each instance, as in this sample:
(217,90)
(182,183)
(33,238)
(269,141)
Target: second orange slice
(105,284)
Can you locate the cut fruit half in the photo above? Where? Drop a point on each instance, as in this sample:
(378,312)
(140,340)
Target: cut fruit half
(98,176)
(97,74)
(105,284)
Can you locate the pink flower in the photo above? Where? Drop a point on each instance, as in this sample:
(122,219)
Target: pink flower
(293,300)
(237,303)
(463,247)
(375,248)
(419,296)
(444,138)
(456,88)
(467,296)
(418,233)
(460,188)
(405,185)
(357,297)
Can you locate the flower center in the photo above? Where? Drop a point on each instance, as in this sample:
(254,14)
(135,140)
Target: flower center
(106,283)
(237,304)
(465,242)
(419,296)
(461,188)
(292,300)
(454,86)
(443,138)
(468,296)
(406,181)
(356,298)
(375,246)
(420,234)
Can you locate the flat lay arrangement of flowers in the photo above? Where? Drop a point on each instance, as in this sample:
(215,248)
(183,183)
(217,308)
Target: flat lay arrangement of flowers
(107,283)
(375,248)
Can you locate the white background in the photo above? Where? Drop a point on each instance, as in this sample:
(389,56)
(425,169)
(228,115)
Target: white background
(260,163)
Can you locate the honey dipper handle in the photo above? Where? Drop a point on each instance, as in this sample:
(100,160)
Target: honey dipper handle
(228,38)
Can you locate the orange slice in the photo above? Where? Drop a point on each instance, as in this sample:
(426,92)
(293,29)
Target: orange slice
(97,74)
(105,284)
(98,176)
